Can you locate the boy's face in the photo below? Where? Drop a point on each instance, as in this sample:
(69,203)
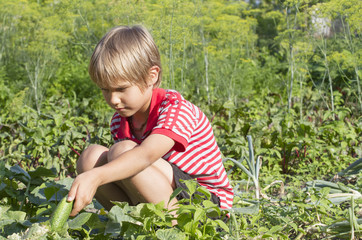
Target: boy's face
(127,99)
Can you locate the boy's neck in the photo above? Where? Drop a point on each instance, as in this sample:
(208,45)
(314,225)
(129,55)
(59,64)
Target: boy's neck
(137,126)
(139,119)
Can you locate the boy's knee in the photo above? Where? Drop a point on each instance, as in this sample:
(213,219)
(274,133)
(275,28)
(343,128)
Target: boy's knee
(91,157)
(118,148)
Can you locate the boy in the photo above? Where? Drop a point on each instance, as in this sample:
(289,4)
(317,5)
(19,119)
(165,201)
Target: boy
(159,136)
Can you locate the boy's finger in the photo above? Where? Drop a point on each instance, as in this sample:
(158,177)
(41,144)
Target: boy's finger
(70,198)
(75,210)
(72,192)
(77,207)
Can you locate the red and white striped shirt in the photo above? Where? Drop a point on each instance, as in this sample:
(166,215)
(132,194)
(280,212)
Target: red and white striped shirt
(195,151)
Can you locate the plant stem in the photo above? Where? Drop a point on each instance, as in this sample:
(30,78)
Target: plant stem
(206,61)
(348,37)
(170,49)
(291,56)
(26,193)
(326,64)
(232,216)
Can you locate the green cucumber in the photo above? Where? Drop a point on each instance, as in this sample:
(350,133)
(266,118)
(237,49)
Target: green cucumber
(61,214)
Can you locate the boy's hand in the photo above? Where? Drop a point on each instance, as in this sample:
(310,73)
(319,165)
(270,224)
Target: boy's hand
(83,190)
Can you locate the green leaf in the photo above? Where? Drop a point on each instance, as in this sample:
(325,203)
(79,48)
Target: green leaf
(183,219)
(51,191)
(2,186)
(3,210)
(251,161)
(204,191)
(213,212)
(141,237)
(188,227)
(130,230)
(41,172)
(20,174)
(294,226)
(191,186)
(117,218)
(79,221)
(147,223)
(222,224)
(208,204)
(94,222)
(197,232)
(199,214)
(118,213)
(55,191)
(36,231)
(175,193)
(58,119)
(167,234)
(253,209)
(14,215)
(158,210)
(238,164)
(352,169)
(229,105)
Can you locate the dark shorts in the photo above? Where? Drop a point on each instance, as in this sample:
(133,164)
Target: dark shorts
(179,174)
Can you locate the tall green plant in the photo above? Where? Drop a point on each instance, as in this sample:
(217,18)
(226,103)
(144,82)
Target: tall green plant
(36,43)
(253,165)
(346,27)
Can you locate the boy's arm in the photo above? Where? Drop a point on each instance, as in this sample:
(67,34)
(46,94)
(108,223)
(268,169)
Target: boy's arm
(126,165)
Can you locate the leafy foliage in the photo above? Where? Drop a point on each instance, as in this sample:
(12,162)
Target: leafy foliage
(286,73)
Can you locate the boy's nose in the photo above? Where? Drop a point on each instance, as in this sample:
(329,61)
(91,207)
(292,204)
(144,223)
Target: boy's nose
(115,100)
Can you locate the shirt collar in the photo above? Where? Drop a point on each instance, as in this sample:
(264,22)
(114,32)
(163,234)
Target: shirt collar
(158,95)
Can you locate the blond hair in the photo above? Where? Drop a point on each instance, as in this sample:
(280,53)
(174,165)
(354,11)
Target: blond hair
(125,53)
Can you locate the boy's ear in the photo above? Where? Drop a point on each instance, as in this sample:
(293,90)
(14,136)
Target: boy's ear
(153,74)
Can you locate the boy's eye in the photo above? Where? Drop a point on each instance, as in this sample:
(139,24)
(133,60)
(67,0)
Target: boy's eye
(121,88)
(118,89)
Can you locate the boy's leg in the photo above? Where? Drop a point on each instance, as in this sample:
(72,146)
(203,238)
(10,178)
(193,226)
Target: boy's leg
(154,184)
(95,156)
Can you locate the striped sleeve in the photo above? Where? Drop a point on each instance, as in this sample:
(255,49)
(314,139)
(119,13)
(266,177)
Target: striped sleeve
(178,121)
